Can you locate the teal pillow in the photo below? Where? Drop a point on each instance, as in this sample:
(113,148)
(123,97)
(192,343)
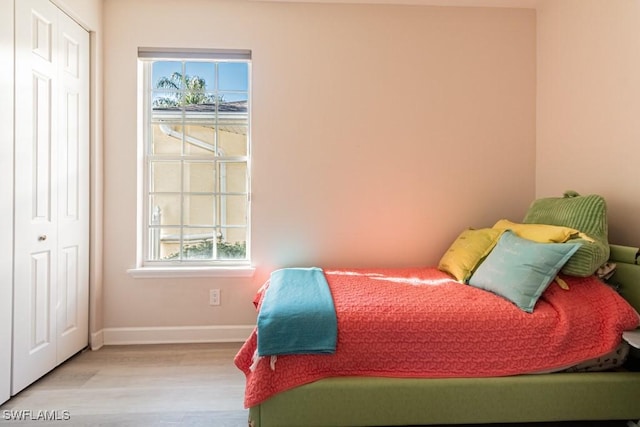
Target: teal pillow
(520,270)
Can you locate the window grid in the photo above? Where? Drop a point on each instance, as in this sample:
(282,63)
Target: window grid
(217,227)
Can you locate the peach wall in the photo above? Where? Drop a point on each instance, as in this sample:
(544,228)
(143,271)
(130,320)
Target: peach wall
(588,106)
(87,13)
(379,133)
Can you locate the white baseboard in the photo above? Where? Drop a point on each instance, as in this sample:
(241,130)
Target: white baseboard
(173,334)
(96,340)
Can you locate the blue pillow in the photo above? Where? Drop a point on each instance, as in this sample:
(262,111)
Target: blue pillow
(520,270)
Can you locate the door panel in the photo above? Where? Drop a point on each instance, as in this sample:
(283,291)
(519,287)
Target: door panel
(73,194)
(40,298)
(69,160)
(68,291)
(41,129)
(42,32)
(35,242)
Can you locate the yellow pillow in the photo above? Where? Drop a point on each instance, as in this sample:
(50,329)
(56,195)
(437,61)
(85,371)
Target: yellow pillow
(467,251)
(541,233)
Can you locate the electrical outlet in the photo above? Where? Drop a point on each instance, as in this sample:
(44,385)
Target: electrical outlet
(214,297)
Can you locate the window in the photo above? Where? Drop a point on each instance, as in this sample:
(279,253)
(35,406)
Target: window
(195,142)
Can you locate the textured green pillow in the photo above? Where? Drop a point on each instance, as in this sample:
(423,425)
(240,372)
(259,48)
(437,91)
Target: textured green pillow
(588,214)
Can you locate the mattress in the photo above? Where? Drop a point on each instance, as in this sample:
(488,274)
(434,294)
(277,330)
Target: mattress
(418,323)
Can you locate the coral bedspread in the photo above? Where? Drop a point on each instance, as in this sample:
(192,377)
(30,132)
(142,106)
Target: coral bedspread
(419,323)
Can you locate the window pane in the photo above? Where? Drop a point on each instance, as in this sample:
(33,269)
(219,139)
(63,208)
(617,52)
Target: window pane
(166,139)
(199,210)
(235,174)
(167,83)
(165,245)
(164,209)
(236,100)
(202,70)
(198,243)
(232,140)
(167,114)
(233,76)
(199,139)
(195,100)
(162,100)
(234,246)
(199,177)
(197,91)
(233,108)
(236,210)
(203,113)
(165,177)
(166,74)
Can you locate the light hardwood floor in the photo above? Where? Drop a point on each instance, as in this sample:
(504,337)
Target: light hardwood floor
(142,385)
(153,385)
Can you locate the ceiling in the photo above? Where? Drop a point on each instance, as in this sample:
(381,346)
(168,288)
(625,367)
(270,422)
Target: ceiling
(527,4)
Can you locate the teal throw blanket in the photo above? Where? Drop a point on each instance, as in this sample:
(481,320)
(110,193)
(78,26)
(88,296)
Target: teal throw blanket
(297,315)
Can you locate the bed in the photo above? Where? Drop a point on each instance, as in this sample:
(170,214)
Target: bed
(301,388)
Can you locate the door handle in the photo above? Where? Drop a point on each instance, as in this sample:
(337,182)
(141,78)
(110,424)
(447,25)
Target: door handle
(42,238)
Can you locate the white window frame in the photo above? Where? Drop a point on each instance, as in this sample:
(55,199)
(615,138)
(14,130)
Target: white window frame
(146,268)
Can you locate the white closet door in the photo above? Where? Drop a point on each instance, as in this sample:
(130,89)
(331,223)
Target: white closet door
(51,191)
(73,188)
(36,188)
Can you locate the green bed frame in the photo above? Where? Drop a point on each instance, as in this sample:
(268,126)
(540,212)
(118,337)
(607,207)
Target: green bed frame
(373,401)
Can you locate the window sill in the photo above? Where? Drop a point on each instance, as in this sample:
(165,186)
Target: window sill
(170,272)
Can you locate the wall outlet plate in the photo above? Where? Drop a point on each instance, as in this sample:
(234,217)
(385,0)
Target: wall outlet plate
(214,297)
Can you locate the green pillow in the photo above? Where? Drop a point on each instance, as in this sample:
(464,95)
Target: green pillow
(587,214)
(520,270)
